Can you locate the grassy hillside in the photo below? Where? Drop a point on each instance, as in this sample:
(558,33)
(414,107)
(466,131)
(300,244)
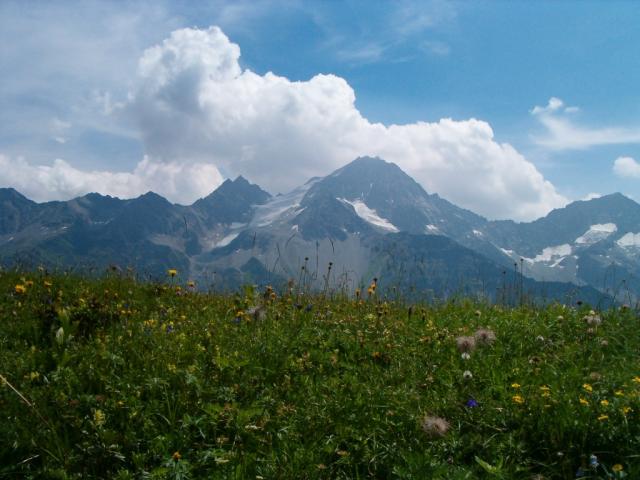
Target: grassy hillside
(113,379)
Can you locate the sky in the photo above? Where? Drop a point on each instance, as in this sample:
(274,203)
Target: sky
(509,109)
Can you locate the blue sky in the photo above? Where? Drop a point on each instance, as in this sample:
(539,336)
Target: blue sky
(77,113)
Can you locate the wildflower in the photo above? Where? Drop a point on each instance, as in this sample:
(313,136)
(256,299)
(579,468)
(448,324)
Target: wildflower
(603,417)
(258,313)
(617,468)
(472,403)
(635,379)
(619,393)
(465,356)
(595,376)
(515,385)
(466,344)
(592,319)
(176,456)
(342,453)
(518,399)
(467,375)
(172,368)
(191,284)
(172,272)
(99,418)
(587,387)
(593,461)
(484,336)
(584,401)
(60,336)
(357,293)
(34,376)
(604,403)
(435,427)
(625,410)
(20,289)
(604,342)
(540,338)
(47,284)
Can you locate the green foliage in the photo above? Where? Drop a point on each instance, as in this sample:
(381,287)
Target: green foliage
(113,379)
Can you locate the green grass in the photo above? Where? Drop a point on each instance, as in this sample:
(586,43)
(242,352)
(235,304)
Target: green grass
(109,378)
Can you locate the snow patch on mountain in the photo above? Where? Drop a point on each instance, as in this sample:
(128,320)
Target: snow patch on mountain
(552,253)
(227,240)
(629,240)
(369,215)
(596,233)
(282,207)
(432,229)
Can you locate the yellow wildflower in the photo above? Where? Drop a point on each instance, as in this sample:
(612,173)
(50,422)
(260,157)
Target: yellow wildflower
(626,410)
(604,403)
(99,418)
(176,456)
(603,417)
(172,368)
(636,379)
(617,468)
(191,284)
(20,289)
(172,272)
(515,385)
(517,399)
(587,387)
(584,401)
(619,393)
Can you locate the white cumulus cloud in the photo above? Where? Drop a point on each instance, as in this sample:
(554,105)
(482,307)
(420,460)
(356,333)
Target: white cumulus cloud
(177,181)
(626,167)
(194,103)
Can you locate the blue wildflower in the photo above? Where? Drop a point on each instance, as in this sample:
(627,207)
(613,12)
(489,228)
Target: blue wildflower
(472,403)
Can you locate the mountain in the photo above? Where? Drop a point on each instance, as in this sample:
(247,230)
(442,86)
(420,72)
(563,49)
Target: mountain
(367,219)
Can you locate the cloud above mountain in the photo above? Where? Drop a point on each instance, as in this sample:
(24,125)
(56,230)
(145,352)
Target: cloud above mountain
(626,167)
(195,103)
(61,180)
(202,116)
(563,133)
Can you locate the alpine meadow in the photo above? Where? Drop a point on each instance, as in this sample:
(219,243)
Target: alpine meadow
(285,239)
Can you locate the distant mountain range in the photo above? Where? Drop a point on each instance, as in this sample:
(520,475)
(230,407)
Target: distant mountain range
(366,220)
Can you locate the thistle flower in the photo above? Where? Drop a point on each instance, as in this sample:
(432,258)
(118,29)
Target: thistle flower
(435,427)
(485,336)
(466,344)
(593,320)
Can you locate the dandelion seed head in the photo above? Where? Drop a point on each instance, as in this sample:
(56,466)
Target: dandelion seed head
(435,427)
(485,336)
(466,344)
